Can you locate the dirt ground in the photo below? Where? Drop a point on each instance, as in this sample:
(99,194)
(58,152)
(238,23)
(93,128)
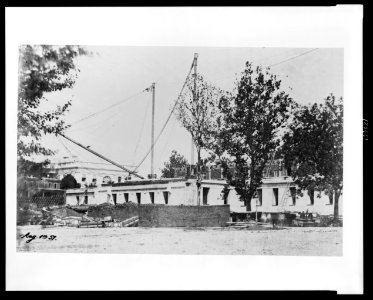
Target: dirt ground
(316,241)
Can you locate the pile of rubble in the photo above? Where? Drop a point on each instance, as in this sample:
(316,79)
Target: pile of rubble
(107,222)
(29,215)
(65,216)
(315,220)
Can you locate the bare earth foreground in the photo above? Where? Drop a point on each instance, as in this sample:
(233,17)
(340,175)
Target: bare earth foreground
(316,241)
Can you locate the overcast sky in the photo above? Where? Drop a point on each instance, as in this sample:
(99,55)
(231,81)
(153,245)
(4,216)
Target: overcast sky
(114,74)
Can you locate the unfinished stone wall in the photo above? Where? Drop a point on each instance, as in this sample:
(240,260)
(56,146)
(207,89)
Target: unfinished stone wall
(151,215)
(119,212)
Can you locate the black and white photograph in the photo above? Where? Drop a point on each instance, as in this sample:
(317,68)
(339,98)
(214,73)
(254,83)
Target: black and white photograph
(191,150)
(232,151)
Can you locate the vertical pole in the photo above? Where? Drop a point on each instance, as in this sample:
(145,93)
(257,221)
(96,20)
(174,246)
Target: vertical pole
(256,211)
(194,99)
(191,151)
(152,145)
(198,150)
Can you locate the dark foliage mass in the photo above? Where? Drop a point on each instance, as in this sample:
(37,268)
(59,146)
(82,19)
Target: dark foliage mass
(69,182)
(314,145)
(176,161)
(248,127)
(42,69)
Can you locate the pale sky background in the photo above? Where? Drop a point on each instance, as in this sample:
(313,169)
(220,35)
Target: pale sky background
(115,73)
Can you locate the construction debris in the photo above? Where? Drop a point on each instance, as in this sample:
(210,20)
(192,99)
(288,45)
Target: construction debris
(131,222)
(66,216)
(88,222)
(238,224)
(306,219)
(29,216)
(250,225)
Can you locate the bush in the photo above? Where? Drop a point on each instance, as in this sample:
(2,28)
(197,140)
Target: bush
(69,182)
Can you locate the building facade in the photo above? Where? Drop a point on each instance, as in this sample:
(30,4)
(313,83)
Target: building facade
(87,173)
(277,194)
(32,186)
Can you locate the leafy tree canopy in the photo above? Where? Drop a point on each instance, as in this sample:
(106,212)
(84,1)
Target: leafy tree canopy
(197,111)
(176,161)
(314,146)
(249,127)
(69,182)
(42,69)
(33,169)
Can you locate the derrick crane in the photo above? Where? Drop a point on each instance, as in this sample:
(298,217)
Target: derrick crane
(101,156)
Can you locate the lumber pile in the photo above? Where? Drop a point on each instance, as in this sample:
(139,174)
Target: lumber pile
(65,217)
(250,224)
(238,224)
(247,224)
(131,222)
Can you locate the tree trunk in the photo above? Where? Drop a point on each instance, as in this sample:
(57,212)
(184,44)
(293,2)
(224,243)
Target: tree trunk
(198,177)
(248,203)
(336,207)
(331,193)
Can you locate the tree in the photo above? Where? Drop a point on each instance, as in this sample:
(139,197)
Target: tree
(176,161)
(197,111)
(249,122)
(69,182)
(314,146)
(42,69)
(28,167)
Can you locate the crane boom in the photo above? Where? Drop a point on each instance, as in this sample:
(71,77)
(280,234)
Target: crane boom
(99,155)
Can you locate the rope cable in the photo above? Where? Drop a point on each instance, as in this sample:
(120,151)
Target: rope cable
(304,53)
(169,117)
(63,144)
(107,108)
(141,130)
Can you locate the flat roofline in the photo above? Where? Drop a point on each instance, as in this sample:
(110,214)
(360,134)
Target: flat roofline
(145,182)
(45,179)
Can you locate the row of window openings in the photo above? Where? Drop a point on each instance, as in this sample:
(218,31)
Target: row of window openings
(94,180)
(41,184)
(293,193)
(126,198)
(165,197)
(205,197)
(138,197)
(85,201)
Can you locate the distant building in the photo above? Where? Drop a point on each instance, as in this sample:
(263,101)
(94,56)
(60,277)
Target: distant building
(87,173)
(211,171)
(276,194)
(31,186)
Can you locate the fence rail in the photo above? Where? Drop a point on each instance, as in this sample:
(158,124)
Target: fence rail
(42,201)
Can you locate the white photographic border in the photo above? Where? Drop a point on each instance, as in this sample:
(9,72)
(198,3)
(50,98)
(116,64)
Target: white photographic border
(300,27)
